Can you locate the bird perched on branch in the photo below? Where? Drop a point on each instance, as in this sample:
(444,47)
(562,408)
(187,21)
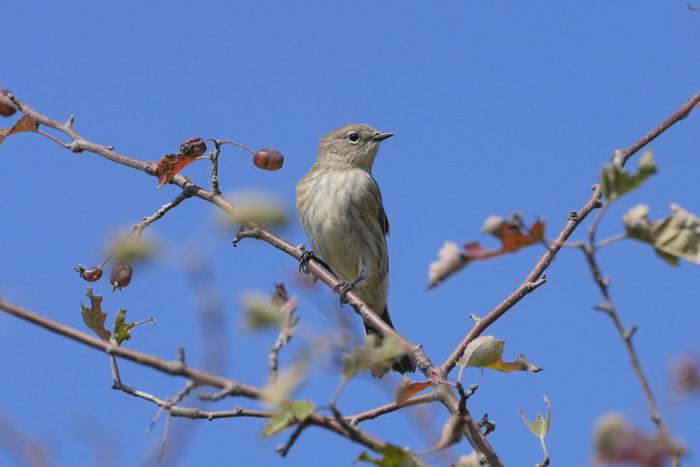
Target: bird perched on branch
(340,205)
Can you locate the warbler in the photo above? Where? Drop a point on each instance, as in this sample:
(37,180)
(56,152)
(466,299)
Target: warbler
(340,206)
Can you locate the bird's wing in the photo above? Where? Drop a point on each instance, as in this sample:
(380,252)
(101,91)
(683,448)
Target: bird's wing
(381,214)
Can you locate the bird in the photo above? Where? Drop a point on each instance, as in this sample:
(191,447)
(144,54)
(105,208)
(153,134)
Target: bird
(340,207)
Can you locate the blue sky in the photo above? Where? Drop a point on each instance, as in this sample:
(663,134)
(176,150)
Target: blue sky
(497,107)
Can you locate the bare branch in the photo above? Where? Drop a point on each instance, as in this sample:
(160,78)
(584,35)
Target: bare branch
(197,377)
(608,308)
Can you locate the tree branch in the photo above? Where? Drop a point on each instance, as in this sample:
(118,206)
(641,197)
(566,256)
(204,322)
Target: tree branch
(574,220)
(79,144)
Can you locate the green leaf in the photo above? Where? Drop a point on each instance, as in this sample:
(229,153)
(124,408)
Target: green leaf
(260,311)
(122,329)
(674,237)
(264,208)
(487,352)
(289,414)
(94,317)
(372,355)
(540,426)
(392,456)
(615,181)
(280,390)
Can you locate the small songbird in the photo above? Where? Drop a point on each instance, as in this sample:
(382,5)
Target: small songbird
(340,206)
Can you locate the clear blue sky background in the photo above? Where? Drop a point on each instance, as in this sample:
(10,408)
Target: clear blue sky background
(496,106)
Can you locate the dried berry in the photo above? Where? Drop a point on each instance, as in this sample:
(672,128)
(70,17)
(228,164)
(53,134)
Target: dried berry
(7,108)
(193,147)
(91,274)
(120,276)
(268,159)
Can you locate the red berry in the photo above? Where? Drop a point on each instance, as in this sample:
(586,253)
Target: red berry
(120,276)
(268,159)
(90,275)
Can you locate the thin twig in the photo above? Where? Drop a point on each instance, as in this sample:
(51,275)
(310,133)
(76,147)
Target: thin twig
(284,449)
(388,408)
(214,156)
(177,368)
(626,335)
(610,240)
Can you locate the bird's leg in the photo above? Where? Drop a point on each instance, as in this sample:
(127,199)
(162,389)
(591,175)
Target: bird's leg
(344,287)
(307,256)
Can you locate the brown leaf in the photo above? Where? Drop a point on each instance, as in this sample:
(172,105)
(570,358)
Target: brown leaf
(509,231)
(94,317)
(23,124)
(170,165)
(407,389)
(617,441)
(451,433)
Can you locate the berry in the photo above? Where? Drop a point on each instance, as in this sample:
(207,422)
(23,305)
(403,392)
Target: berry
(268,159)
(91,274)
(120,276)
(6,109)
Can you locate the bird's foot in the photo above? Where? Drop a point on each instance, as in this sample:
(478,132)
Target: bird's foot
(306,256)
(343,288)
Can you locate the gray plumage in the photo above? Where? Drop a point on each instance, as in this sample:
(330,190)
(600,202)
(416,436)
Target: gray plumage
(340,206)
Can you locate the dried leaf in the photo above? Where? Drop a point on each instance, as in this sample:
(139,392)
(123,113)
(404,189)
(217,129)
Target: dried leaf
(673,237)
(372,355)
(392,456)
(685,374)
(487,352)
(451,433)
(290,413)
(94,317)
(509,231)
(25,123)
(170,165)
(617,441)
(615,181)
(407,389)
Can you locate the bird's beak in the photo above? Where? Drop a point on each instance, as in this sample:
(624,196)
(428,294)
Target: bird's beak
(382,136)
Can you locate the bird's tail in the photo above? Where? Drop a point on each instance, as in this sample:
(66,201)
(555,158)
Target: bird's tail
(401,364)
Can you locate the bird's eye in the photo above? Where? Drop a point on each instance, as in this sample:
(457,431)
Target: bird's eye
(353,137)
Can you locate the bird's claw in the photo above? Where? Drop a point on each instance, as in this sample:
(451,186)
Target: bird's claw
(306,256)
(343,288)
